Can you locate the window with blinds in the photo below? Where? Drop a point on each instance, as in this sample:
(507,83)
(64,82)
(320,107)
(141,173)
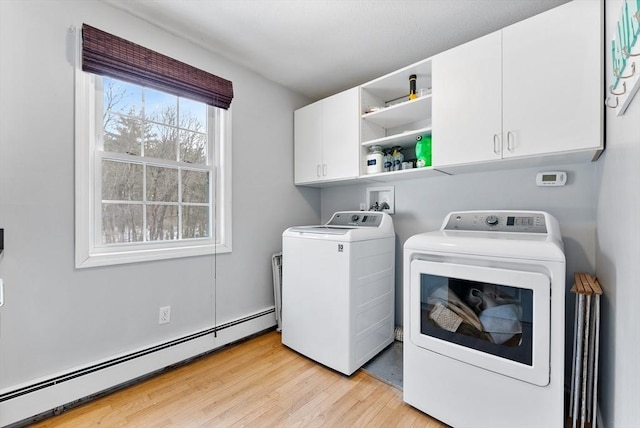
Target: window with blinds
(153,177)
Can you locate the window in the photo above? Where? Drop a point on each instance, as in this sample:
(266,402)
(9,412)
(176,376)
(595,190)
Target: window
(152,174)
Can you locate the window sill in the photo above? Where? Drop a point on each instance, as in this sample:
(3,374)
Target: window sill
(89,260)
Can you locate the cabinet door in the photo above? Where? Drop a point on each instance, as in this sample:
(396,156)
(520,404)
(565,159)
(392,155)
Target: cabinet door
(467,116)
(341,135)
(308,143)
(553,81)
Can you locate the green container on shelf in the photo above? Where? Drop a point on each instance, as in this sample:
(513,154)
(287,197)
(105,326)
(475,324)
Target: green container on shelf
(423,151)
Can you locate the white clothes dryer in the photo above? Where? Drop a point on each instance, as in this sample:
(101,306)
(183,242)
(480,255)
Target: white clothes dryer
(484,320)
(338,289)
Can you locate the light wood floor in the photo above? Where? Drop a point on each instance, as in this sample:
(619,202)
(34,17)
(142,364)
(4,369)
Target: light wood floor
(257,383)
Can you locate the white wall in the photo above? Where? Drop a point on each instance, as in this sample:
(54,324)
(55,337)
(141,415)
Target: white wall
(57,318)
(618,255)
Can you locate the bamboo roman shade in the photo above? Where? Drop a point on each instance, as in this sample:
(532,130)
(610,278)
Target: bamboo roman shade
(109,55)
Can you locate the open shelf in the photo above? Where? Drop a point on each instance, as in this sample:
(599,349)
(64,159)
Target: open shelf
(403,113)
(404,139)
(405,174)
(395,85)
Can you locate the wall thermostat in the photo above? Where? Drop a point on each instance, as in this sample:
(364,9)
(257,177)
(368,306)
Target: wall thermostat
(551,178)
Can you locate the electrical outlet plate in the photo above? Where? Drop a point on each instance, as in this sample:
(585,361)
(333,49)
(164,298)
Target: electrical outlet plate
(164,315)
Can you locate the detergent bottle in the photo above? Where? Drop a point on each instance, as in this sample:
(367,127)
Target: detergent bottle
(398,158)
(388,160)
(423,151)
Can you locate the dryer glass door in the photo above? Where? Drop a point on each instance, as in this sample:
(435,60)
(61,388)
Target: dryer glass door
(497,319)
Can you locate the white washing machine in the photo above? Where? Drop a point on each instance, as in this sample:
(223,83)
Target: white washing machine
(338,289)
(484,320)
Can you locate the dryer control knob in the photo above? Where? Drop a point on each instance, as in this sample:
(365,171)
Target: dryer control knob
(355,217)
(492,220)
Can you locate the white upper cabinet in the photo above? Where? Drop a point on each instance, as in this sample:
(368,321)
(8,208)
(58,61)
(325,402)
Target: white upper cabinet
(308,143)
(531,89)
(341,134)
(530,94)
(467,102)
(552,80)
(326,139)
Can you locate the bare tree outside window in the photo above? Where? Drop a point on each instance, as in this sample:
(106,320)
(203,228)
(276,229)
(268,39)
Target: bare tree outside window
(156,183)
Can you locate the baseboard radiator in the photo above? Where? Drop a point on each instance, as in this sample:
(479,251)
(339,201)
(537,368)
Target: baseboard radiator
(29,403)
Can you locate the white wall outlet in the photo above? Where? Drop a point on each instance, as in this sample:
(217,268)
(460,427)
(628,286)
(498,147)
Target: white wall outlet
(165,315)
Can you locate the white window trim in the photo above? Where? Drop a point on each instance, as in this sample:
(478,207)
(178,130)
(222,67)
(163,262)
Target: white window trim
(87,253)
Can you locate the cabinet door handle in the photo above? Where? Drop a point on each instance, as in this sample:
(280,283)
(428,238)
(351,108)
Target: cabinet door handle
(318,170)
(510,145)
(324,169)
(496,144)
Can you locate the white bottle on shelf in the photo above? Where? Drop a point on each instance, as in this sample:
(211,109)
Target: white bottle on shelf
(375,160)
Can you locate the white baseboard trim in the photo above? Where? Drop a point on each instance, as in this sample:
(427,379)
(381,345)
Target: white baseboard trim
(21,404)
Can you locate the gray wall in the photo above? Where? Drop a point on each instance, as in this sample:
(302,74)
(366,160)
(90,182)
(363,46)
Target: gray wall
(422,204)
(618,255)
(55,317)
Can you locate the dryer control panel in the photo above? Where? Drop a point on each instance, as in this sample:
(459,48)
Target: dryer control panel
(497,221)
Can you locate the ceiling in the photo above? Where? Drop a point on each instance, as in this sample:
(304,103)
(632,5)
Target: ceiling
(320,47)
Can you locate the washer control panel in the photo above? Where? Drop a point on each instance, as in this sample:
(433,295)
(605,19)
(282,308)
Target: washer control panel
(502,221)
(356,218)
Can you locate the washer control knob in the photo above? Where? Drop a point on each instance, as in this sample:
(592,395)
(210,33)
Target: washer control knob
(492,220)
(355,217)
